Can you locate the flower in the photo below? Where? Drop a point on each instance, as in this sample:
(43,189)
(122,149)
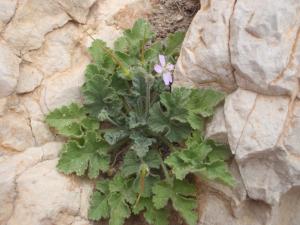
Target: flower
(165,69)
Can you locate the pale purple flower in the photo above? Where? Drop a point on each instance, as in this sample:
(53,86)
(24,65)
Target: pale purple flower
(165,69)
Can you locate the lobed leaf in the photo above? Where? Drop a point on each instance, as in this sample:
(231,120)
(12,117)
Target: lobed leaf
(92,156)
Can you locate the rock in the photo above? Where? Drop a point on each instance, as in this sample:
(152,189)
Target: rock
(3,106)
(217,211)
(216,128)
(63,89)
(56,53)
(205,57)
(15,132)
(32,21)
(24,197)
(30,78)
(255,125)
(9,70)
(126,17)
(254,122)
(292,141)
(265,45)
(11,167)
(78,10)
(58,202)
(7,10)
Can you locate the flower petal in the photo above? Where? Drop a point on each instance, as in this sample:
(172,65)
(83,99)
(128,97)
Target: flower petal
(167,77)
(158,68)
(170,67)
(162,60)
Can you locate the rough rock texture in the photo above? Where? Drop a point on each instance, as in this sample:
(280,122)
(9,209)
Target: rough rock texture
(251,51)
(43,55)
(248,48)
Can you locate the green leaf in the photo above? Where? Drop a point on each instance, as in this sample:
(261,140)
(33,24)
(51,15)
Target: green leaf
(70,121)
(119,210)
(202,158)
(112,200)
(92,156)
(102,55)
(172,119)
(134,120)
(134,40)
(173,43)
(113,136)
(99,97)
(203,101)
(153,51)
(99,208)
(152,215)
(141,144)
(182,194)
(132,162)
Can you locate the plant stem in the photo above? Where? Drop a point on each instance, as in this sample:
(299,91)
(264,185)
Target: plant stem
(165,170)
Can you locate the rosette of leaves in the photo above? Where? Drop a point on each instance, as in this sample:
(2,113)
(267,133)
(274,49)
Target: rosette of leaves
(137,138)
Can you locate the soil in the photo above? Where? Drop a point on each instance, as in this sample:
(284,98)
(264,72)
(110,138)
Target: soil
(169,16)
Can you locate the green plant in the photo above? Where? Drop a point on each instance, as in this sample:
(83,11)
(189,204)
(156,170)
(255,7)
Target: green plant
(136,136)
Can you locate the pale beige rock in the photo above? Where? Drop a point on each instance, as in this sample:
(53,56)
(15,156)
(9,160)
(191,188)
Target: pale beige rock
(77,9)
(205,56)
(57,202)
(216,128)
(15,132)
(56,53)
(33,19)
(263,45)
(3,106)
(9,70)
(217,211)
(255,124)
(292,139)
(29,79)
(13,166)
(63,89)
(7,10)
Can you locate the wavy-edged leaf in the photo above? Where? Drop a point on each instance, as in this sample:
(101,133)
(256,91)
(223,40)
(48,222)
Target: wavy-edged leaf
(202,158)
(173,43)
(132,162)
(92,156)
(71,121)
(99,97)
(152,215)
(182,194)
(171,119)
(141,144)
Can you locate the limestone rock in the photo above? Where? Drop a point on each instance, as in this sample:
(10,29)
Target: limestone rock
(15,132)
(265,45)
(205,56)
(63,89)
(77,10)
(11,167)
(256,125)
(29,79)
(58,202)
(255,122)
(33,19)
(7,10)
(216,128)
(56,53)
(9,70)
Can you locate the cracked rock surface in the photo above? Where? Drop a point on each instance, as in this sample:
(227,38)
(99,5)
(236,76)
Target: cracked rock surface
(247,48)
(251,50)
(43,56)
